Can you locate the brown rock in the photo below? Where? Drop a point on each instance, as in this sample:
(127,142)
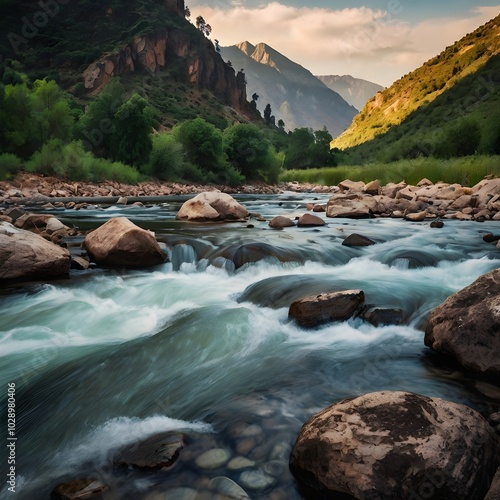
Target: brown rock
(279,222)
(353,186)
(335,306)
(212,206)
(157,452)
(357,240)
(347,206)
(396,445)
(24,255)
(79,263)
(32,221)
(372,188)
(120,242)
(494,491)
(308,220)
(425,182)
(391,190)
(79,489)
(378,316)
(319,208)
(407,193)
(466,325)
(416,217)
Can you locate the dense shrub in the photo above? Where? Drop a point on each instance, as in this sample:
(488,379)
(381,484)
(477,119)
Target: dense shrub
(9,165)
(167,158)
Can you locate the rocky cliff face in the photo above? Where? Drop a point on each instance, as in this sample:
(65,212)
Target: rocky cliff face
(156,51)
(176,6)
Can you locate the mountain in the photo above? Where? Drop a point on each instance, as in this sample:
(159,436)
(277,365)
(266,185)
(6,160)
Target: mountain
(296,96)
(355,91)
(147,43)
(416,113)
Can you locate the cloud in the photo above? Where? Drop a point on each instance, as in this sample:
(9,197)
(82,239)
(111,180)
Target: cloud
(366,43)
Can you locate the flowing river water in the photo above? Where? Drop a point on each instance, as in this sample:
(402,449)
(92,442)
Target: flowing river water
(203,344)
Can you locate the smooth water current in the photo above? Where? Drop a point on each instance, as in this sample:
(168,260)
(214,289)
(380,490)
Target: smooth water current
(204,344)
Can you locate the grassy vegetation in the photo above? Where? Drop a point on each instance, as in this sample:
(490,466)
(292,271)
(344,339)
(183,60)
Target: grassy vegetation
(420,88)
(466,171)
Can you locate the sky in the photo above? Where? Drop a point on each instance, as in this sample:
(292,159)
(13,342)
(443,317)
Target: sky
(377,40)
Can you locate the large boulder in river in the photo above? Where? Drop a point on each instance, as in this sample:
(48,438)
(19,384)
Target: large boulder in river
(212,206)
(317,309)
(24,255)
(394,445)
(119,242)
(467,325)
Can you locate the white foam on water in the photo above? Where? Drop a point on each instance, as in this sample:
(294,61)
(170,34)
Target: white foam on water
(98,445)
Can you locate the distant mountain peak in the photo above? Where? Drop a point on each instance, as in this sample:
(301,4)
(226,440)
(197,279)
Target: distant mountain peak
(293,92)
(246,47)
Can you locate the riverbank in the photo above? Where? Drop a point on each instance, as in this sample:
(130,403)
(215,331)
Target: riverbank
(349,199)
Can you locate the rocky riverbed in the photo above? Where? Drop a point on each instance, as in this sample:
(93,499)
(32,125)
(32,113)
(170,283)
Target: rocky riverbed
(251,329)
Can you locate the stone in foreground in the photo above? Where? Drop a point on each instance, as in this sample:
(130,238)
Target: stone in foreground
(311,311)
(212,206)
(394,445)
(119,242)
(24,255)
(157,452)
(79,489)
(466,325)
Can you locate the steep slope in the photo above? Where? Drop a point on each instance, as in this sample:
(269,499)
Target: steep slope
(295,95)
(148,43)
(421,87)
(355,91)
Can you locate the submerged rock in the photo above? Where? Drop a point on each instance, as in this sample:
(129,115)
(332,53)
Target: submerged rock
(227,487)
(157,452)
(119,242)
(24,255)
(212,206)
(317,309)
(466,325)
(79,489)
(393,445)
(379,316)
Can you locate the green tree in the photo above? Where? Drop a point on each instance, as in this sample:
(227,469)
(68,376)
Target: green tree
(250,152)
(167,157)
(267,114)
(462,139)
(17,121)
(202,143)
(53,116)
(299,144)
(203,26)
(96,126)
(131,138)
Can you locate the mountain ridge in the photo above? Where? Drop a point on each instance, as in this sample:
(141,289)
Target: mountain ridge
(419,88)
(296,96)
(356,91)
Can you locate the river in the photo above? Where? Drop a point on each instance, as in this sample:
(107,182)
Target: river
(203,343)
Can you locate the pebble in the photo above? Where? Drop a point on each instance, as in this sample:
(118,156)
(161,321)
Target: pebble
(213,459)
(174,494)
(228,487)
(238,463)
(256,479)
